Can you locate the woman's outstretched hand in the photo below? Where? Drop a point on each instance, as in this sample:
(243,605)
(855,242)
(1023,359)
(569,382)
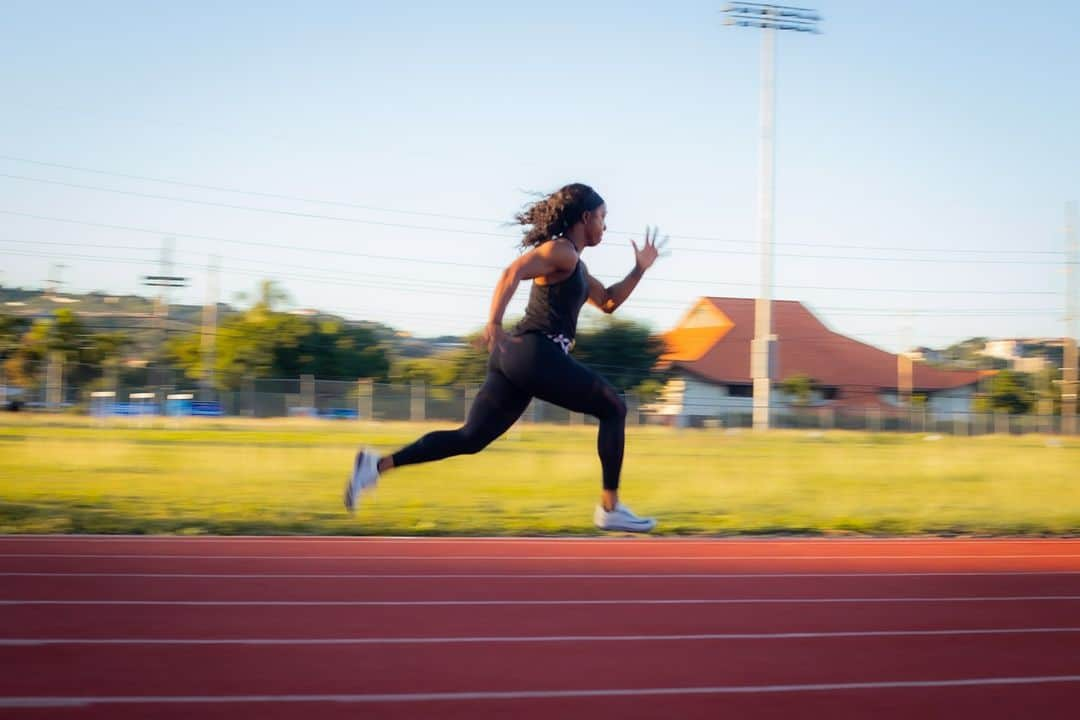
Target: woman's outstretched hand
(646,255)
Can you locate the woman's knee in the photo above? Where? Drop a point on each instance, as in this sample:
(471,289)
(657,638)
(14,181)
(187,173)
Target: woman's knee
(613,407)
(620,408)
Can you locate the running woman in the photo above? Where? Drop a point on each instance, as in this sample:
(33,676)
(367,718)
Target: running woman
(534,359)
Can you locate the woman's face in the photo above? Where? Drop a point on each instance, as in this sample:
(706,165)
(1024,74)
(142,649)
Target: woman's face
(595,225)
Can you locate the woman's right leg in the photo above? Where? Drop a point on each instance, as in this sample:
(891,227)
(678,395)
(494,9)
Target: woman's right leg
(546,372)
(497,406)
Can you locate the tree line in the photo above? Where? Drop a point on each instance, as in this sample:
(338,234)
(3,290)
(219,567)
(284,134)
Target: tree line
(266,342)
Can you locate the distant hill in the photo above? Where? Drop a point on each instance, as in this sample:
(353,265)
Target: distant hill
(136,316)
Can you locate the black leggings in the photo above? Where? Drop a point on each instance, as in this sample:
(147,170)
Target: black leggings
(524,367)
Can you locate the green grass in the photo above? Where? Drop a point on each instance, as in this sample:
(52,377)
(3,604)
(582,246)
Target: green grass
(71,475)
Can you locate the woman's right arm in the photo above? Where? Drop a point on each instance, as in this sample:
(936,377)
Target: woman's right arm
(551,257)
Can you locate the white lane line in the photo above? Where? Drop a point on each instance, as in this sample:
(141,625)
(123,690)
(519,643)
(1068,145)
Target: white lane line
(33,642)
(560,558)
(553,540)
(526,576)
(631,601)
(776,538)
(80,701)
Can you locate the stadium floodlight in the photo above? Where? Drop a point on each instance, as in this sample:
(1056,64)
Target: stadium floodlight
(775,17)
(769,19)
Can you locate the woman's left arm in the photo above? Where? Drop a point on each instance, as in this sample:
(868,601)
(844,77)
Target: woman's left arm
(610,298)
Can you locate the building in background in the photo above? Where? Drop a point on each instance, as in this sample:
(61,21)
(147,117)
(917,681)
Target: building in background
(1027,355)
(708,362)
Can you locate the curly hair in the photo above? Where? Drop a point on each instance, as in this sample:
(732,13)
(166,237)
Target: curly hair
(553,215)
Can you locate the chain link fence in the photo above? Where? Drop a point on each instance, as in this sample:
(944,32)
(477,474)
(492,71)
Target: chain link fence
(404,402)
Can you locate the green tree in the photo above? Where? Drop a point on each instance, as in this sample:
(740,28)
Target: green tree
(469,364)
(430,371)
(968,353)
(649,390)
(262,342)
(64,335)
(107,351)
(359,354)
(1011,392)
(799,387)
(11,331)
(623,351)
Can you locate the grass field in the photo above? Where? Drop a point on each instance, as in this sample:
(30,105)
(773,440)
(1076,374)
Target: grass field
(61,475)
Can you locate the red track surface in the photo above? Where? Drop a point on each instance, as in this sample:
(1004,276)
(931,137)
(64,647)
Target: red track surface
(103,627)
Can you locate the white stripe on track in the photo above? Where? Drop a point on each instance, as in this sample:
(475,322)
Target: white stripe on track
(525,576)
(82,701)
(631,601)
(34,642)
(515,558)
(553,540)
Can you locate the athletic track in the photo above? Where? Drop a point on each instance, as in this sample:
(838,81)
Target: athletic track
(269,628)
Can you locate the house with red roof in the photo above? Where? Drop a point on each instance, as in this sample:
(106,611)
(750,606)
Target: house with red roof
(708,359)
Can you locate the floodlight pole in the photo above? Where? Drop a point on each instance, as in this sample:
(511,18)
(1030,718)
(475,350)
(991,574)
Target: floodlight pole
(764,345)
(1068,372)
(769,19)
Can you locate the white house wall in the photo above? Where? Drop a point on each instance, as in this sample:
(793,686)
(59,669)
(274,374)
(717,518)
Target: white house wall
(686,396)
(705,399)
(947,403)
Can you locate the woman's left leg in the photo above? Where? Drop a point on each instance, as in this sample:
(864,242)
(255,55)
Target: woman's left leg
(497,406)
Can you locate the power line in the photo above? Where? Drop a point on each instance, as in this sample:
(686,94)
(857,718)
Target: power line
(420,213)
(249,208)
(711,283)
(427,228)
(661,303)
(253,243)
(252,193)
(253,273)
(964,261)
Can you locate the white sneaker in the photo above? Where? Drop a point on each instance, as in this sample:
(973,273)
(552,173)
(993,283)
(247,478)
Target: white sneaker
(621,518)
(364,477)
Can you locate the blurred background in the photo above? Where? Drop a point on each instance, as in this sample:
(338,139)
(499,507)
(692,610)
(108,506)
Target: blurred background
(301,209)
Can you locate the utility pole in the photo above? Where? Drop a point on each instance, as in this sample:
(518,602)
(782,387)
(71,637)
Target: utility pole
(769,19)
(905,372)
(54,380)
(209,328)
(54,370)
(54,282)
(1068,373)
(164,280)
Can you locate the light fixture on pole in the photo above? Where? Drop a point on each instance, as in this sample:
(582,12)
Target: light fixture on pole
(769,19)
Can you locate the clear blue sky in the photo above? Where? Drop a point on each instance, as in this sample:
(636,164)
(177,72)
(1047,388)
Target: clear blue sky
(925,152)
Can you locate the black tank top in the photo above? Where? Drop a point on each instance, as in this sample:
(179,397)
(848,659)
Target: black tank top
(553,309)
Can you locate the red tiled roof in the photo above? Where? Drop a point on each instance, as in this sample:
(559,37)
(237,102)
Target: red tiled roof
(806,346)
